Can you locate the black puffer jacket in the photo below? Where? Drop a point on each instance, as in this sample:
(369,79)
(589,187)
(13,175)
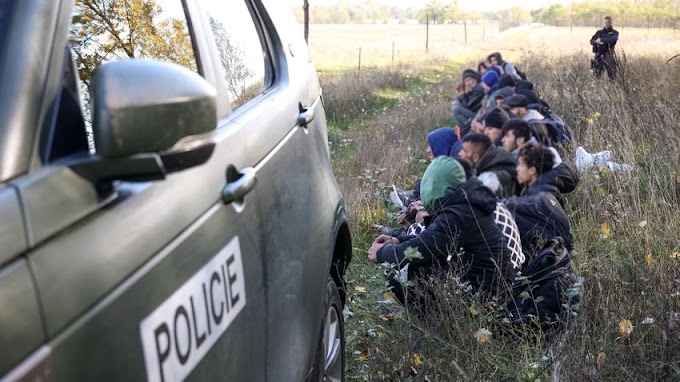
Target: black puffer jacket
(472,100)
(500,162)
(562,179)
(540,217)
(462,226)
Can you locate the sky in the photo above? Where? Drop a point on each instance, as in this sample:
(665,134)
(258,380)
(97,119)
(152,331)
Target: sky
(465,5)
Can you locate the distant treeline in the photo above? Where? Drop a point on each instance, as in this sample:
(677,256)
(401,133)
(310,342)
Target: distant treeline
(641,13)
(630,13)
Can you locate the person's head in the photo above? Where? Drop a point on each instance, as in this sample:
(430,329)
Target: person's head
(495,58)
(496,69)
(507,80)
(504,93)
(524,84)
(475,145)
(607,22)
(516,133)
(534,160)
(440,142)
(481,68)
(471,78)
(442,177)
(493,123)
(489,80)
(518,105)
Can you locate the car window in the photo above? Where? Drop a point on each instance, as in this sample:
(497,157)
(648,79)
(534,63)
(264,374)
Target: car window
(244,60)
(110,30)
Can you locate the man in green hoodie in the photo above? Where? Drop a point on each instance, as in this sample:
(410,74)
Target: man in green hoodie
(460,229)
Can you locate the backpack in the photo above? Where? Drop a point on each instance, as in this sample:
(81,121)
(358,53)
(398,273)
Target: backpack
(546,292)
(559,131)
(520,73)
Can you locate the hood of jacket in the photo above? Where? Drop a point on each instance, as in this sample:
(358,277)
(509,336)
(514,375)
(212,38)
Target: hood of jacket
(441,179)
(533,115)
(441,141)
(472,193)
(545,183)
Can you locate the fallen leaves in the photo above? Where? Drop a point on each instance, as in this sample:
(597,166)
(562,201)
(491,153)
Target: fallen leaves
(417,361)
(483,336)
(601,359)
(606,229)
(625,328)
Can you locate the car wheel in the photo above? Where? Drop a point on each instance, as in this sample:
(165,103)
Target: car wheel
(331,349)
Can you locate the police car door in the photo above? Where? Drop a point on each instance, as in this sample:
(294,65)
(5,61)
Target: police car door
(158,281)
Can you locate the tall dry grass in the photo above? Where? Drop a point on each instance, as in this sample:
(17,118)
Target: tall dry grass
(626,227)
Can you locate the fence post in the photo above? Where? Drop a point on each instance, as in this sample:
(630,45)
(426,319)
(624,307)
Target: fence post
(427,33)
(392,52)
(465,26)
(359,68)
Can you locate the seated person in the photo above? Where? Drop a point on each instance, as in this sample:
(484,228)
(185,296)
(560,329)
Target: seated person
(501,95)
(478,249)
(518,105)
(440,142)
(496,58)
(494,166)
(493,123)
(467,104)
(538,212)
(526,88)
(517,133)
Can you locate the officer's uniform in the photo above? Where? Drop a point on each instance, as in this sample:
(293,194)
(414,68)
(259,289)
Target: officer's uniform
(605,58)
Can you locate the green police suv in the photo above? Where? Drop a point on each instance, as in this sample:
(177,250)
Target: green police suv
(169,211)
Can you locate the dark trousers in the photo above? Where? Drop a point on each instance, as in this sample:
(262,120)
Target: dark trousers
(605,62)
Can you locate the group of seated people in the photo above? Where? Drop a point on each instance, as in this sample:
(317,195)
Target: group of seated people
(492,195)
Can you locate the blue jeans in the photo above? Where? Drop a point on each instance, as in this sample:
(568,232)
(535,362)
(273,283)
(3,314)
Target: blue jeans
(462,114)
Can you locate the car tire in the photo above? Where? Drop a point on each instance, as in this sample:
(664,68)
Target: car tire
(330,353)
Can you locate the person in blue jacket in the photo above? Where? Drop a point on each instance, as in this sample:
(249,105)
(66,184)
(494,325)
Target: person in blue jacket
(603,42)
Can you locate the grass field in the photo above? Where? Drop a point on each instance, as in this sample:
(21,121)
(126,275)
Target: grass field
(336,47)
(625,227)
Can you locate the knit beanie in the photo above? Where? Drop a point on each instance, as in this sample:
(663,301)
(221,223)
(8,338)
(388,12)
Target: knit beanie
(495,118)
(506,80)
(469,73)
(490,78)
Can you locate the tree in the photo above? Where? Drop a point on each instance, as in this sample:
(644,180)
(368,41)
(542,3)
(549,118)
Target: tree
(232,56)
(105,30)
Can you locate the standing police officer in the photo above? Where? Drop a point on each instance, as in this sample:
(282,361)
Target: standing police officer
(603,43)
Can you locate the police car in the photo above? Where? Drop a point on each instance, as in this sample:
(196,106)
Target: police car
(169,211)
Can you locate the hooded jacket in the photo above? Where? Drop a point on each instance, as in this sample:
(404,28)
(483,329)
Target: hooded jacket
(472,100)
(462,226)
(500,163)
(540,217)
(562,179)
(441,141)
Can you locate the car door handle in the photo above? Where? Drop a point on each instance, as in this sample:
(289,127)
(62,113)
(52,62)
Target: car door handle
(306,117)
(237,189)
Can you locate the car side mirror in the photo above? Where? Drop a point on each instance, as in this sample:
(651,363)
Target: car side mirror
(149,118)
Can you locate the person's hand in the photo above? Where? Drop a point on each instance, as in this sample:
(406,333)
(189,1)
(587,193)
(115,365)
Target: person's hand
(401,219)
(420,217)
(373,251)
(386,239)
(598,41)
